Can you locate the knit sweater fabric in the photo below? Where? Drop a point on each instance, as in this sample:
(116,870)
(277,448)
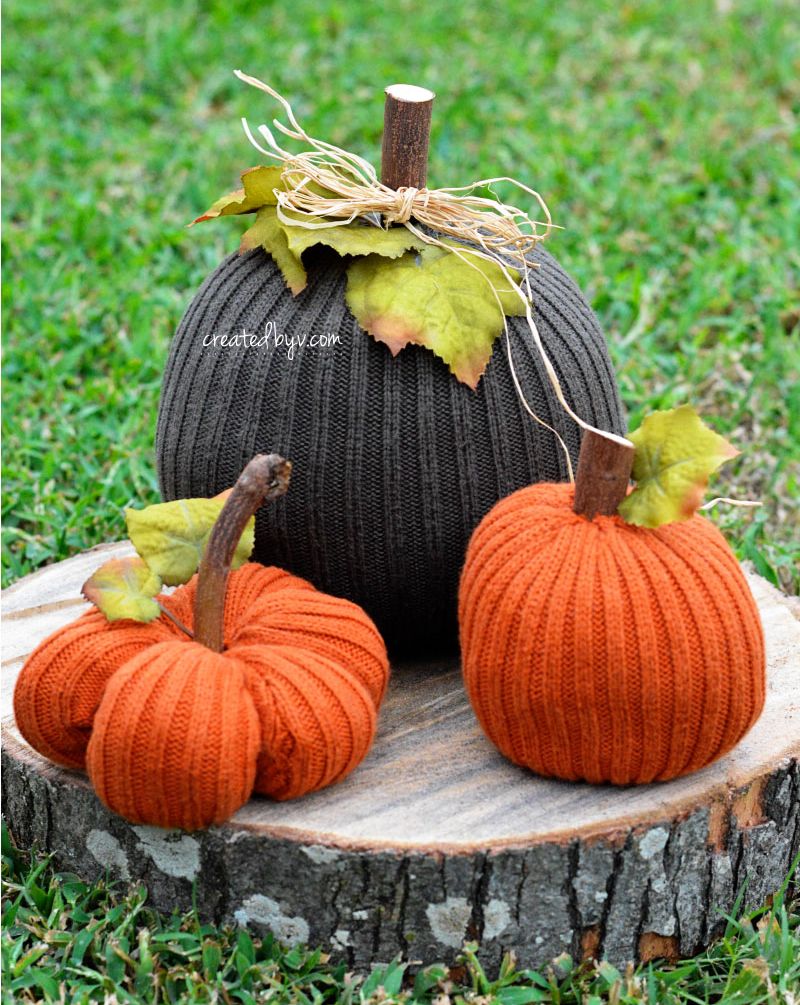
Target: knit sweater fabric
(597,650)
(394,460)
(175,735)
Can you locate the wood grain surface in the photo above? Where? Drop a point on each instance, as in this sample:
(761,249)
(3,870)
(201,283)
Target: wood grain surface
(436,838)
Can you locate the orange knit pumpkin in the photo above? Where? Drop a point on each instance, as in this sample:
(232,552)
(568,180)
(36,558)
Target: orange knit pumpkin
(281,699)
(176,735)
(597,650)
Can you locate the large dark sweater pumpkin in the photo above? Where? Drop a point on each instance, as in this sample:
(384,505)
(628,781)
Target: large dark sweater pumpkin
(395,461)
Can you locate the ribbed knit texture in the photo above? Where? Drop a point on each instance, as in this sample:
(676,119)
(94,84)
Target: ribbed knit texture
(601,651)
(395,461)
(175,735)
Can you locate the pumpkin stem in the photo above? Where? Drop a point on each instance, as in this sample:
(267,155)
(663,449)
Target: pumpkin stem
(265,477)
(604,472)
(406,133)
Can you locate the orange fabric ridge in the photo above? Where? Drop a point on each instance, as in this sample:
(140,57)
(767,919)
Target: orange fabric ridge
(597,650)
(175,735)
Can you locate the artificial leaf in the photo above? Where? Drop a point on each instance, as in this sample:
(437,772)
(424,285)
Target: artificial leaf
(354,238)
(286,243)
(124,588)
(270,234)
(259,184)
(435,298)
(172,536)
(675,454)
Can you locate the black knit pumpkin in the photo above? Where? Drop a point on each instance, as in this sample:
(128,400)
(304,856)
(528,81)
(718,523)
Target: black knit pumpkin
(395,461)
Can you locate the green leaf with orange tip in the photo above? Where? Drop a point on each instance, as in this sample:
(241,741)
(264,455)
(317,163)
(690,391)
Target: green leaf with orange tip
(171,537)
(259,184)
(434,298)
(676,452)
(271,235)
(124,588)
(354,238)
(286,243)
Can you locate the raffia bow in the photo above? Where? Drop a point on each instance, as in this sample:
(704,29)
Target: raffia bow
(326,186)
(406,204)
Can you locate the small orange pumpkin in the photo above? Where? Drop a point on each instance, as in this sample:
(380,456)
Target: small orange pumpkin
(176,734)
(594,649)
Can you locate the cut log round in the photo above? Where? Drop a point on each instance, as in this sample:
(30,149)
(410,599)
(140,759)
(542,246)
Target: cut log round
(436,839)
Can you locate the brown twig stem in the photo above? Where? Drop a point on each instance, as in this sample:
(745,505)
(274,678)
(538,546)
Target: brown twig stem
(604,471)
(406,133)
(265,477)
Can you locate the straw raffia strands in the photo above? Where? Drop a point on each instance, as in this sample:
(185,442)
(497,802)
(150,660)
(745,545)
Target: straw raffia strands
(357,191)
(330,187)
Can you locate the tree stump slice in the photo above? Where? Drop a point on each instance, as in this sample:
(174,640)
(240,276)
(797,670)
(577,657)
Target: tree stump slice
(436,838)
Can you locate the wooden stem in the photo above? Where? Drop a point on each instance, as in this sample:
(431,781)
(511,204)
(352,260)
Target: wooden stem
(406,131)
(265,477)
(604,471)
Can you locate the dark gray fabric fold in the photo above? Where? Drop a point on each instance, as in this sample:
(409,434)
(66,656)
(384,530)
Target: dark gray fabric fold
(395,461)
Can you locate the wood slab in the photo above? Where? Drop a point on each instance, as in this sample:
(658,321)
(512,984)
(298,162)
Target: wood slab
(436,838)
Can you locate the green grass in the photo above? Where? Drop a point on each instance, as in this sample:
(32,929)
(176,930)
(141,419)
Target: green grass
(663,136)
(64,940)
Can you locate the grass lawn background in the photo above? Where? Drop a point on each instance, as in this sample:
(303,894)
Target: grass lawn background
(664,137)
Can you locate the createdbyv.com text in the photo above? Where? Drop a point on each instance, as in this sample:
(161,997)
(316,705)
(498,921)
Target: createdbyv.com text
(270,336)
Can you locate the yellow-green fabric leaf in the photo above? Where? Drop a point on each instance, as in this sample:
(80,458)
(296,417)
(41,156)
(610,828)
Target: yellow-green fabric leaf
(433,298)
(354,239)
(675,454)
(259,184)
(171,537)
(124,588)
(270,234)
